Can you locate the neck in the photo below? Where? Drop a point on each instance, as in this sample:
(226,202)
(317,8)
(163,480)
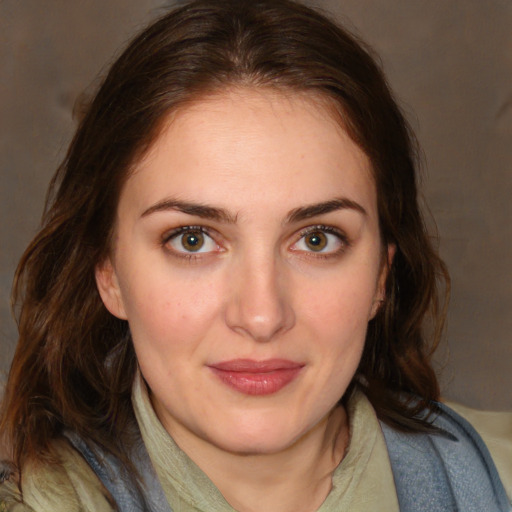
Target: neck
(296,479)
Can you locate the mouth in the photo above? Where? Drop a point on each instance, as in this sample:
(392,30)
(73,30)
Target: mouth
(257,378)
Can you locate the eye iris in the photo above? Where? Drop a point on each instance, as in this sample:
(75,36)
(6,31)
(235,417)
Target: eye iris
(192,241)
(316,241)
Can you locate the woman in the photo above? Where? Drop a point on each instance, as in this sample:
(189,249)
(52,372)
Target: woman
(224,309)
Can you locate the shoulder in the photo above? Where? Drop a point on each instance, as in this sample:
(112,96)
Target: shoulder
(10,499)
(450,467)
(70,486)
(495,428)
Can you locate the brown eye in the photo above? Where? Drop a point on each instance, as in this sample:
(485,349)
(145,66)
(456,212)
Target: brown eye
(322,241)
(316,241)
(192,241)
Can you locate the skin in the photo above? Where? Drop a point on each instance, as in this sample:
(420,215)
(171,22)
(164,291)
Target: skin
(257,289)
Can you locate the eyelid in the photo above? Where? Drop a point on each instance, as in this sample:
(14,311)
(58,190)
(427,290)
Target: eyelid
(322,227)
(168,236)
(330,230)
(184,229)
(344,241)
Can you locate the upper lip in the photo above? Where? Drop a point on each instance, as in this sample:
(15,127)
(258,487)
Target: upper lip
(253,366)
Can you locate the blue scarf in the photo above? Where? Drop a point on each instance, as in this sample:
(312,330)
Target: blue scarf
(447,471)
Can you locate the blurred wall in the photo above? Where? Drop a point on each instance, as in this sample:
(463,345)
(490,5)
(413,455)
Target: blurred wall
(450,64)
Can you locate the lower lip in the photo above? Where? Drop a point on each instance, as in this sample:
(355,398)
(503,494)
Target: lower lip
(258,383)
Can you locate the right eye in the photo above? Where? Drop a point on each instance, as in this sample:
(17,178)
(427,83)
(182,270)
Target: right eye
(321,241)
(191,240)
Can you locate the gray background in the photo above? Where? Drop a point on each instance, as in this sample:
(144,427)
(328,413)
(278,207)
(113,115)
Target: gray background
(450,64)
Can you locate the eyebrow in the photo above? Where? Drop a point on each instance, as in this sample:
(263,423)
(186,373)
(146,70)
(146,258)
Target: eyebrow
(222,215)
(309,211)
(196,209)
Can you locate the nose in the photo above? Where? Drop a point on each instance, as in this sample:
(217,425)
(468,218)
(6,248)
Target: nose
(259,306)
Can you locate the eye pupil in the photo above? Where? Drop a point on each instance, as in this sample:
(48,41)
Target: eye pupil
(316,241)
(192,241)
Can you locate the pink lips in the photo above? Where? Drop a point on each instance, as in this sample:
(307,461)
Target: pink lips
(257,377)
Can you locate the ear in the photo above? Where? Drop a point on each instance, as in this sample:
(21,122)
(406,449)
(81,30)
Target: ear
(108,287)
(380,292)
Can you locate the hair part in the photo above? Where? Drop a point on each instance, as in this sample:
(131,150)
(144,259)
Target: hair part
(74,364)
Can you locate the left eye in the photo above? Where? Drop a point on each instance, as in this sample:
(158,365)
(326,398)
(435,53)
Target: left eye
(192,241)
(319,241)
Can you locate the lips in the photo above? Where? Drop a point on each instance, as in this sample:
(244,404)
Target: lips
(257,377)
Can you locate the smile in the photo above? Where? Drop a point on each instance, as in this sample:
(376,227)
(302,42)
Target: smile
(257,377)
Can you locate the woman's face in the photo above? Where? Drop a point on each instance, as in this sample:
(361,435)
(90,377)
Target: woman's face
(248,263)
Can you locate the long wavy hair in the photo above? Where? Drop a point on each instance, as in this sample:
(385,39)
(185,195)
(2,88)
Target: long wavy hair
(74,364)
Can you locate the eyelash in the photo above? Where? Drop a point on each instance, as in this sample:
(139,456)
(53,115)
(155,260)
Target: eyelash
(191,256)
(342,237)
(175,233)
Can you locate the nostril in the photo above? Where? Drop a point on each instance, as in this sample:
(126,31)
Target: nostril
(260,319)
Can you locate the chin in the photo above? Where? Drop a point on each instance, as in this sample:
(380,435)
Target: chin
(256,439)
(255,447)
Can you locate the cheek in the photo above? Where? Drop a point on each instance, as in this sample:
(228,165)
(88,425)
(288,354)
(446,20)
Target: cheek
(163,308)
(341,304)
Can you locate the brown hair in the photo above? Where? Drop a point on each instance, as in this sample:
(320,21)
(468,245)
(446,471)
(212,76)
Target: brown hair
(74,363)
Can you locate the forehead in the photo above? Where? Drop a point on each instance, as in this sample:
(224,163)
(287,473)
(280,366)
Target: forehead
(279,145)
